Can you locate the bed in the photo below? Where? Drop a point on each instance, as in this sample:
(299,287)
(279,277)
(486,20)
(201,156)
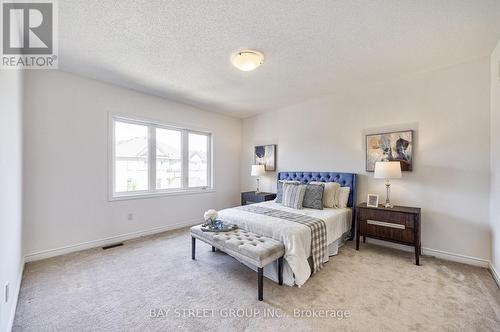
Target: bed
(295,236)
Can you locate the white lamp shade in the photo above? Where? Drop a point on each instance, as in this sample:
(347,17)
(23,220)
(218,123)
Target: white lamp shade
(258,170)
(387,170)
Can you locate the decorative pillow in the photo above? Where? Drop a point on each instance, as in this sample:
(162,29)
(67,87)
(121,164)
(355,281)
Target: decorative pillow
(293,195)
(330,196)
(313,197)
(279,192)
(344,197)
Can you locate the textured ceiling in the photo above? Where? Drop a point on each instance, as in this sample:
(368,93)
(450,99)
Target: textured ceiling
(181,49)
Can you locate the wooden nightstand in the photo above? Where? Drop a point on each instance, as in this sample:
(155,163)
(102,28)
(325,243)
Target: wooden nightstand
(250,197)
(400,224)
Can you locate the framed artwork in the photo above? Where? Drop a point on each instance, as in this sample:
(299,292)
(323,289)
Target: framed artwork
(372,200)
(395,146)
(266,155)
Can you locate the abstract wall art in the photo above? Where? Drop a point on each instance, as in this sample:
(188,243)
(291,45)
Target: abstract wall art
(394,146)
(266,155)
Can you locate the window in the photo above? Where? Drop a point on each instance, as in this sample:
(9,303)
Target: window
(153,159)
(168,158)
(198,160)
(131,157)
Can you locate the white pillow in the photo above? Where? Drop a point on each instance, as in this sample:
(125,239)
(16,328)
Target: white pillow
(330,195)
(344,196)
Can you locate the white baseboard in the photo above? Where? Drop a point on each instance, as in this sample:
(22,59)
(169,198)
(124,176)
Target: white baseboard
(495,274)
(15,297)
(449,256)
(105,241)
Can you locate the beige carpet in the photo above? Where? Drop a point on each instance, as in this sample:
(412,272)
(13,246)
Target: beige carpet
(377,288)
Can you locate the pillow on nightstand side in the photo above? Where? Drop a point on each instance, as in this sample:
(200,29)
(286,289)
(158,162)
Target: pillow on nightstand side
(344,196)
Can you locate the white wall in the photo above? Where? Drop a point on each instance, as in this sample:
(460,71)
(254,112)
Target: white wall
(449,111)
(495,157)
(66,163)
(11,255)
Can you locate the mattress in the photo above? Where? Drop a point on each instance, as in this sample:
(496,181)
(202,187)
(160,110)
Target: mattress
(296,237)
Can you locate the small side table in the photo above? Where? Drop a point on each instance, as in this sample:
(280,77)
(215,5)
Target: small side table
(400,224)
(250,197)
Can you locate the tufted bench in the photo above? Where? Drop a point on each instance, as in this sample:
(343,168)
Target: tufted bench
(245,246)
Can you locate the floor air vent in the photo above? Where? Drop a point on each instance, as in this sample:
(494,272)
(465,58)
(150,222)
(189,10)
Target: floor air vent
(112,246)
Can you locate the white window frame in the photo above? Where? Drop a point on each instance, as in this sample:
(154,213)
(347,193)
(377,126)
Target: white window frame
(152,191)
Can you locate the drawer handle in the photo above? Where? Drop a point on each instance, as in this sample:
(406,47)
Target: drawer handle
(385,224)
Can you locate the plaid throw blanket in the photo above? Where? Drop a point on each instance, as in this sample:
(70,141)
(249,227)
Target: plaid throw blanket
(317,226)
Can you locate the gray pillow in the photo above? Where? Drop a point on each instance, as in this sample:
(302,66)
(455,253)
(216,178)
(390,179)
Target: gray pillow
(313,197)
(279,192)
(293,195)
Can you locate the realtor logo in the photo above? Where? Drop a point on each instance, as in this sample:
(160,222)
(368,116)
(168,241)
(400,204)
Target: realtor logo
(29,34)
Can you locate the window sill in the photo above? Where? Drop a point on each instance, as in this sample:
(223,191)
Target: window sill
(125,197)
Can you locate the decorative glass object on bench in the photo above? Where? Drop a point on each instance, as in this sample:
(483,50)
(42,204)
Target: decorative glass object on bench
(212,224)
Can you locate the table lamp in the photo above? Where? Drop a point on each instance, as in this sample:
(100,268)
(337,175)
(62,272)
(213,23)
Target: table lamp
(258,170)
(387,170)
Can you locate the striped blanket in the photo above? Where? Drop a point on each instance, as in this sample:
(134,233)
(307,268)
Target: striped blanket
(317,226)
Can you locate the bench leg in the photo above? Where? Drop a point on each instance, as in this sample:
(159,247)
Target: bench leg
(193,247)
(213,249)
(260,272)
(280,271)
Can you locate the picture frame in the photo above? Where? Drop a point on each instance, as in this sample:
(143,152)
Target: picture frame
(372,200)
(390,146)
(265,155)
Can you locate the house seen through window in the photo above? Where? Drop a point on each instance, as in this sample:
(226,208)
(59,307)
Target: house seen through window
(151,158)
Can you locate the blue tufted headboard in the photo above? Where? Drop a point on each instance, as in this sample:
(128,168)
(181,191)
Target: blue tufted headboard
(344,179)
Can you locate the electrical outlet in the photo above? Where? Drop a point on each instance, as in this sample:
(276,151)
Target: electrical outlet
(130,216)
(7,292)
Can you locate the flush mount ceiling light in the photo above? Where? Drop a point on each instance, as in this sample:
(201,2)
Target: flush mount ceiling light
(247,60)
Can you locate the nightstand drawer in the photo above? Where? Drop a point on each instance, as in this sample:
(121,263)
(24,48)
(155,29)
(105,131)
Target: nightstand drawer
(387,231)
(387,216)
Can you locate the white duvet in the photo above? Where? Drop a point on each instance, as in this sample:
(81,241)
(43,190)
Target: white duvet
(296,237)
